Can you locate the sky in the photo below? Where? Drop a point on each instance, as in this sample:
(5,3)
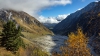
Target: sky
(46,11)
(65,9)
(60,12)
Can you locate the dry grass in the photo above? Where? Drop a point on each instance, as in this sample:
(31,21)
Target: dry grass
(28,51)
(31,49)
(4,52)
(30,35)
(21,52)
(34,51)
(33,28)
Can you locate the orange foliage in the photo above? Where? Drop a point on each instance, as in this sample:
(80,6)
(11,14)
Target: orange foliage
(76,45)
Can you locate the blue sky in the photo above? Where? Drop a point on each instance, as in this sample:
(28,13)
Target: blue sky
(54,11)
(46,11)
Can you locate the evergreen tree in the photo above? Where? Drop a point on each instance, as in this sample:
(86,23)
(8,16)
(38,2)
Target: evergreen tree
(11,36)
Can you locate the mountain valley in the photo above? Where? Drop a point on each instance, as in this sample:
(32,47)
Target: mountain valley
(42,39)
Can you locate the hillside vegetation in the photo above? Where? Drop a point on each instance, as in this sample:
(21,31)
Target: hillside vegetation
(28,23)
(12,43)
(76,45)
(19,43)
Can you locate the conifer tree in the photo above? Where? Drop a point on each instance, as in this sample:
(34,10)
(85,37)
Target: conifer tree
(11,36)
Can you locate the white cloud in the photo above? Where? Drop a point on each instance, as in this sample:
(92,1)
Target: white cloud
(97,1)
(43,19)
(61,17)
(79,8)
(51,20)
(31,6)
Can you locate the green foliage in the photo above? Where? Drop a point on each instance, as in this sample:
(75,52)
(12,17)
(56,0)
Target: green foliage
(11,36)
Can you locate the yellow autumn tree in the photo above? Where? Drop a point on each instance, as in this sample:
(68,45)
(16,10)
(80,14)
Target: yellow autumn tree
(76,45)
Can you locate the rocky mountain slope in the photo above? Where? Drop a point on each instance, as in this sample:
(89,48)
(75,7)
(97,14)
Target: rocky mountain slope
(27,22)
(67,24)
(88,20)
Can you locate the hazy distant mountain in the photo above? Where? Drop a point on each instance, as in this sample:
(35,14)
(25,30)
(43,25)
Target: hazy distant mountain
(27,22)
(50,25)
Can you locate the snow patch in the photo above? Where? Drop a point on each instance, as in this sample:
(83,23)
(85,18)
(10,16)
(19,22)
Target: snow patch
(24,19)
(33,21)
(10,14)
(6,12)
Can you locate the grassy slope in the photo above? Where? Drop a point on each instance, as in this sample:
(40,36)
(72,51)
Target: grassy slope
(31,49)
(26,21)
(29,23)
(30,31)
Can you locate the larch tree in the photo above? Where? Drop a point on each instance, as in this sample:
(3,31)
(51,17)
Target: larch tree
(76,45)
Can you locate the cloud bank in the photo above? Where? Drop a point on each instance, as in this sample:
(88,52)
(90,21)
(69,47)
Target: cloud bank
(51,20)
(31,6)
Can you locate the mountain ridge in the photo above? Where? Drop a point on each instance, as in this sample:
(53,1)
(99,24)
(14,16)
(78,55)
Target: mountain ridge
(89,22)
(27,22)
(72,18)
